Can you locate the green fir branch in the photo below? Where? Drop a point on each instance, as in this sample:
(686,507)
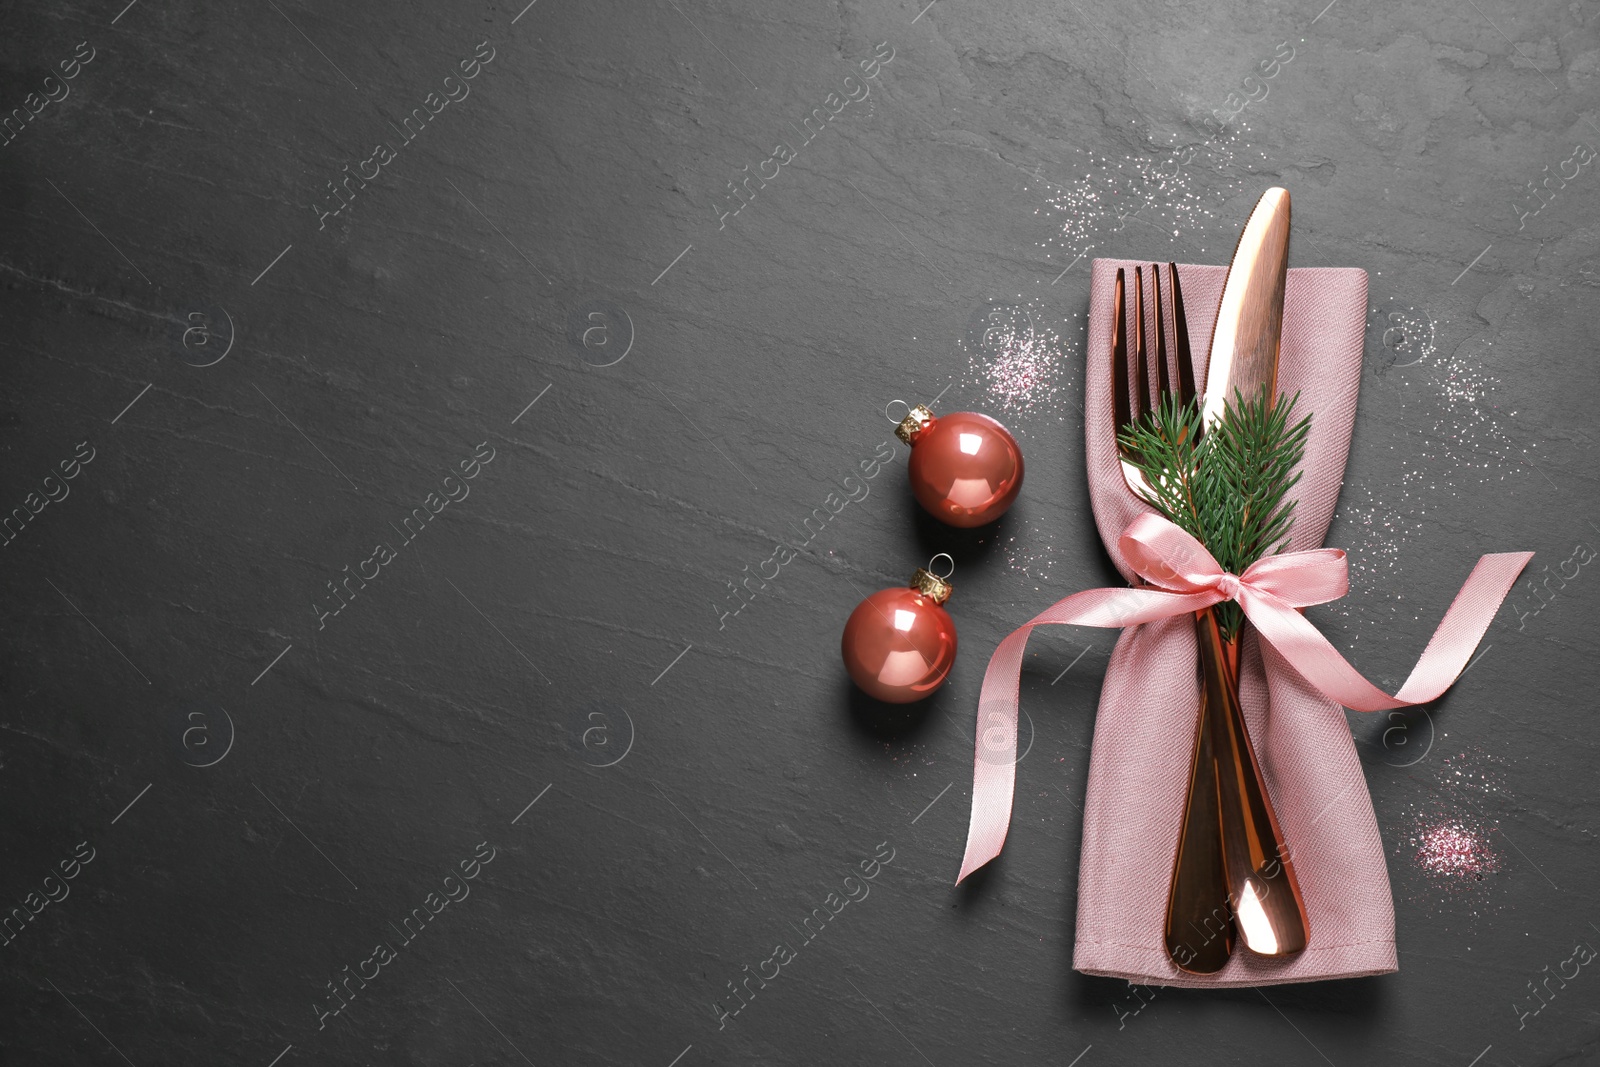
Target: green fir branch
(1229,487)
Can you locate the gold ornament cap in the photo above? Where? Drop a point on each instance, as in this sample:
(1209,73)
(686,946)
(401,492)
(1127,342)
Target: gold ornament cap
(932,586)
(914,423)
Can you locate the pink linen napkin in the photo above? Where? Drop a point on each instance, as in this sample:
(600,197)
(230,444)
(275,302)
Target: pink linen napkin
(1144,734)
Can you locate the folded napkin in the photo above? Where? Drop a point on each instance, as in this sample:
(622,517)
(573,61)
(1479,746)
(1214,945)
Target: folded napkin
(1144,734)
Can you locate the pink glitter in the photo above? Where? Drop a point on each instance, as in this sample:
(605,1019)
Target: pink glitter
(1451,850)
(1017,361)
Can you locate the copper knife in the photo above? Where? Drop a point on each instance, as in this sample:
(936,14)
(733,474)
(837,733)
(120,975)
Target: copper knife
(1262,889)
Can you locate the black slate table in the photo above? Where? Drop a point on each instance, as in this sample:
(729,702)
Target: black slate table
(401,406)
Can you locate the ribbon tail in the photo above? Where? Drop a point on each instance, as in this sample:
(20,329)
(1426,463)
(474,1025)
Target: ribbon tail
(994,762)
(1440,664)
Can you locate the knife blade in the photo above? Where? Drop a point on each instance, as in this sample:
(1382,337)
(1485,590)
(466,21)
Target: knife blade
(1244,341)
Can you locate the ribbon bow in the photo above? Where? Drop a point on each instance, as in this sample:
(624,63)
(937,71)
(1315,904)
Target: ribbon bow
(1184,577)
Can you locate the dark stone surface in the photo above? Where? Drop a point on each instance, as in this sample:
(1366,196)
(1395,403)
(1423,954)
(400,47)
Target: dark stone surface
(555,634)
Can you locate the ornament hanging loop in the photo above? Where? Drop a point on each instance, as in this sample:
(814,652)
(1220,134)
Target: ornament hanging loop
(932,563)
(891,418)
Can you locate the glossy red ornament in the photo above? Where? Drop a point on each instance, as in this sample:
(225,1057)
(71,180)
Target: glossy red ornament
(899,644)
(965,467)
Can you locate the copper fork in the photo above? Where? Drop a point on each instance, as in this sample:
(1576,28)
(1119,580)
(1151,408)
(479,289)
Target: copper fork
(1199,925)
(1230,856)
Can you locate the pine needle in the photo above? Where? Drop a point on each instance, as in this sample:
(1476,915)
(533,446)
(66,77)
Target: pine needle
(1229,487)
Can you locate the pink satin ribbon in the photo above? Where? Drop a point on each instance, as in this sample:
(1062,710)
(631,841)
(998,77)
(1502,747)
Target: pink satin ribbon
(1185,578)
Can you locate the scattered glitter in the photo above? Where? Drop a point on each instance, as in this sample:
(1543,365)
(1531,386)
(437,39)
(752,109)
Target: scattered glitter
(1158,194)
(1451,850)
(1455,436)
(1371,535)
(1468,425)
(1013,357)
(1473,773)
(1452,838)
(1031,552)
(1409,336)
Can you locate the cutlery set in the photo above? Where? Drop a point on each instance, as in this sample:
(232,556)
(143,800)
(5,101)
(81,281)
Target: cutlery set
(1232,876)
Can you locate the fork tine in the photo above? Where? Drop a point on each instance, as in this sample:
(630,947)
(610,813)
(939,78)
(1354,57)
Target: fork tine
(1141,396)
(1163,376)
(1119,356)
(1180,338)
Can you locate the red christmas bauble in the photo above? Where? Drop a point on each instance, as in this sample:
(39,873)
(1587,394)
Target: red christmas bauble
(899,644)
(965,467)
